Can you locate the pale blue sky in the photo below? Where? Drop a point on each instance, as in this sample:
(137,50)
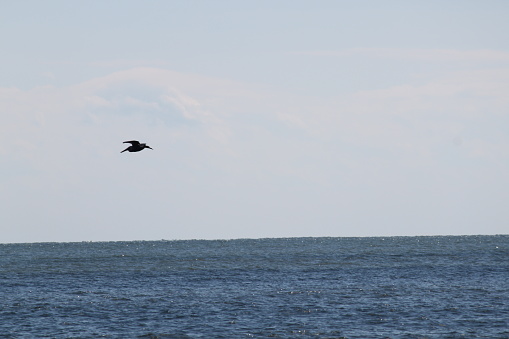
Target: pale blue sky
(267,119)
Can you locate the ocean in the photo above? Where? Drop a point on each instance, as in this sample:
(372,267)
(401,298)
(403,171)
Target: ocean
(381,287)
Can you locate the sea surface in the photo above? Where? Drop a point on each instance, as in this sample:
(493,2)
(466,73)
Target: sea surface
(393,287)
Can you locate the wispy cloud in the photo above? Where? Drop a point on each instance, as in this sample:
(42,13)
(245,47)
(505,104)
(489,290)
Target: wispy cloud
(388,118)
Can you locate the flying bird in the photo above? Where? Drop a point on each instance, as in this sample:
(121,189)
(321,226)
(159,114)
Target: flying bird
(136,146)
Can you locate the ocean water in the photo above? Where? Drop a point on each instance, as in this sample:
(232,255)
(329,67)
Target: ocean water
(394,287)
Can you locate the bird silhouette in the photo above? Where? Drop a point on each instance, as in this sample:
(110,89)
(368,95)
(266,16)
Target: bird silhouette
(136,146)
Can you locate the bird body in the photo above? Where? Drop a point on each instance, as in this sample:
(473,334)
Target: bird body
(136,146)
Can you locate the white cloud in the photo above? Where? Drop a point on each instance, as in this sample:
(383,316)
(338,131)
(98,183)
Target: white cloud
(415,118)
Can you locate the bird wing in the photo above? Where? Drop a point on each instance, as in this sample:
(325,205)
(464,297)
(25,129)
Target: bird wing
(132,142)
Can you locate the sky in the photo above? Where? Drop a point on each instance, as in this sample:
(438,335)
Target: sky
(266,119)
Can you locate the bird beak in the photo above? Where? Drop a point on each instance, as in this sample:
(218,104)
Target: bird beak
(150,147)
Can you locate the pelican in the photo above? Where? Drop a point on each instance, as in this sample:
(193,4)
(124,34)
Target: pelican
(135,146)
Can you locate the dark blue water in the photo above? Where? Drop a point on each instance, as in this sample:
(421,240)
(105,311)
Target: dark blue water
(397,287)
